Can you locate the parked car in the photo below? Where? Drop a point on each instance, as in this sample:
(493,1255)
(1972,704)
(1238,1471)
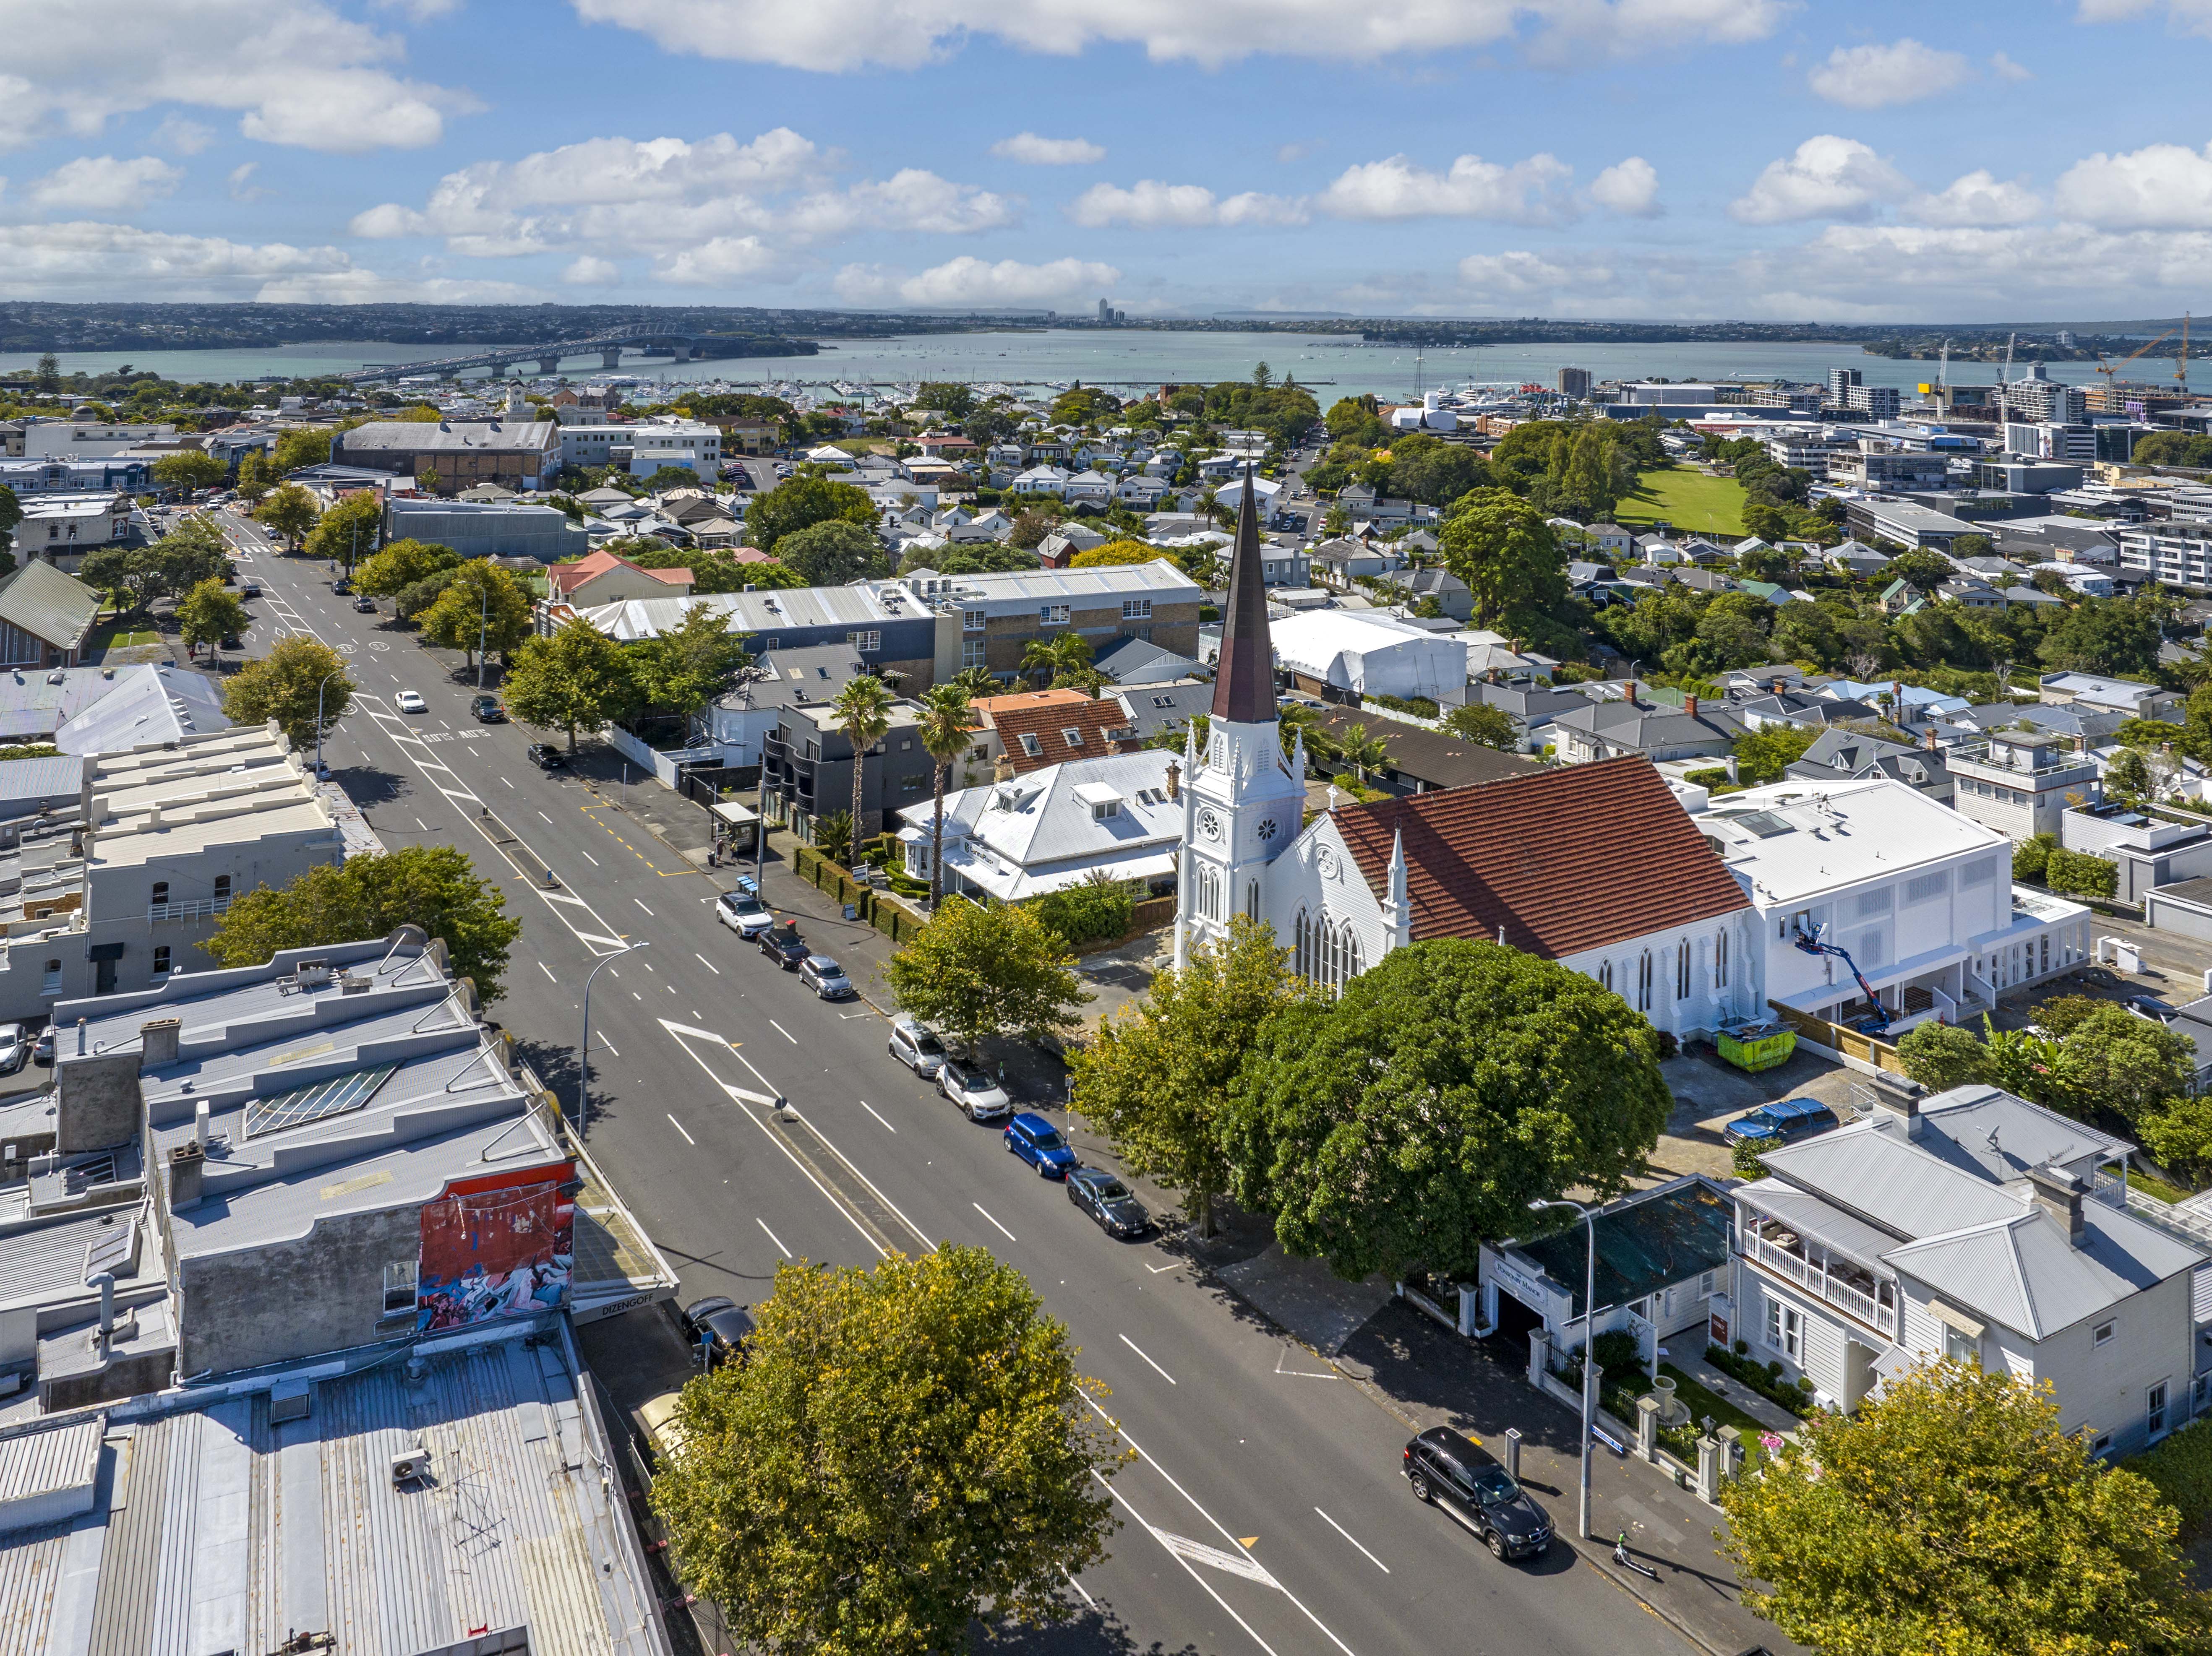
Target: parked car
(1783,1122)
(1450,1471)
(410,701)
(720,1328)
(969,1085)
(785,946)
(915,1044)
(251,589)
(547,757)
(487,710)
(42,1050)
(744,914)
(230,642)
(364,605)
(341,587)
(1108,1201)
(826,978)
(15,1049)
(2148,1006)
(1038,1143)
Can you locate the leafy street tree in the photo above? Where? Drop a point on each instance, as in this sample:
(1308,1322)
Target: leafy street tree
(400,565)
(299,448)
(434,887)
(863,708)
(576,680)
(1922,571)
(904,1449)
(253,477)
(288,512)
(977,972)
(1953,1515)
(347,532)
(1501,547)
(1484,725)
(802,502)
(283,684)
(190,469)
(1416,1116)
(832,553)
(945,730)
(2112,1059)
(671,478)
(1940,1056)
(175,564)
(1160,1080)
(211,613)
(482,605)
(1065,656)
(1030,527)
(687,666)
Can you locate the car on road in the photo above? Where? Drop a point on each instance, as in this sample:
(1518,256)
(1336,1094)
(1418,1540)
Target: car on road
(410,701)
(251,589)
(1449,1470)
(230,642)
(969,1085)
(915,1044)
(365,605)
(826,978)
(1108,1201)
(341,587)
(744,913)
(1784,1121)
(718,1329)
(14,1048)
(487,710)
(547,757)
(785,946)
(42,1050)
(1038,1143)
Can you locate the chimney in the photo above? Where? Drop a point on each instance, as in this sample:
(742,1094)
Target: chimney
(1629,694)
(1900,1098)
(187,1166)
(1776,687)
(105,1282)
(1690,706)
(2059,1193)
(157,1042)
(1931,738)
(203,1118)
(1175,781)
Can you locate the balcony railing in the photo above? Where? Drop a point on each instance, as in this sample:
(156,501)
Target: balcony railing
(1873,1313)
(200,908)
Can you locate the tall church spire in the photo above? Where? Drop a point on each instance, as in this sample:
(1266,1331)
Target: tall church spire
(1244,678)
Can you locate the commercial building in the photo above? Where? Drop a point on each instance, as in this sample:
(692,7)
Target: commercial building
(1575,382)
(504,528)
(38,438)
(61,528)
(2045,440)
(516,455)
(807,766)
(998,615)
(885,624)
(105,477)
(669,441)
(83,710)
(1106,814)
(1345,654)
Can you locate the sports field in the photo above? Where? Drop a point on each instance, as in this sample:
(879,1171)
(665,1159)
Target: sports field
(1688,498)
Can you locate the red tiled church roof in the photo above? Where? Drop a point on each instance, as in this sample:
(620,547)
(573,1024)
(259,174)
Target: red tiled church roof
(1101,726)
(1564,860)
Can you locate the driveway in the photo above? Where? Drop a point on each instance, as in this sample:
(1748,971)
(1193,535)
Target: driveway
(1709,1094)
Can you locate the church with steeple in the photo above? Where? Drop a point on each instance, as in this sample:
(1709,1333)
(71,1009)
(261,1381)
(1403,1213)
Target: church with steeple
(1595,866)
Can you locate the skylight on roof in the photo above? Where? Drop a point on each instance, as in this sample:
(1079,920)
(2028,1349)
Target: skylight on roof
(305,1104)
(1765,824)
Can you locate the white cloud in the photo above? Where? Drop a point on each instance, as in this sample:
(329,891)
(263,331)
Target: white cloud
(590,272)
(185,137)
(1048,152)
(840,35)
(725,258)
(1149,205)
(2005,69)
(297,74)
(1533,192)
(70,258)
(1629,187)
(1294,152)
(1978,199)
(242,187)
(2160,186)
(1874,77)
(101,184)
(2182,16)
(975,284)
(371,287)
(1516,275)
(1828,176)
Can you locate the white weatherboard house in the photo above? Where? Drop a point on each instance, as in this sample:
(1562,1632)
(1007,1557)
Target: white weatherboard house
(1046,829)
(1971,1226)
(1920,896)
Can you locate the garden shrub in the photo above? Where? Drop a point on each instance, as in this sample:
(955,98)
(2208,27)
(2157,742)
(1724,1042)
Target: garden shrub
(2078,874)
(1093,909)
(2182,1468)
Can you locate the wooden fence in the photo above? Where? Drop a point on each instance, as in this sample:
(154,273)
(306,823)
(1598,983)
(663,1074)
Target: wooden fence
(1837,1038)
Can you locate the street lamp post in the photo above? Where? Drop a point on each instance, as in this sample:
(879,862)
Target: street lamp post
(1589,1349)
(584,1045)
(327,677)
(484,628)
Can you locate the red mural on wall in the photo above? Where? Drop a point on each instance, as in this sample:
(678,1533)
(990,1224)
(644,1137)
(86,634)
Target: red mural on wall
(504,1249)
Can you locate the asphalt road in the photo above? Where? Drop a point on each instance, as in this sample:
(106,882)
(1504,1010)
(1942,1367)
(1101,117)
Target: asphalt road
(1265,1511)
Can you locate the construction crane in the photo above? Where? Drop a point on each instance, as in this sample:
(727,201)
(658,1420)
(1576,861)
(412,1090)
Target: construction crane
(1876,1020)
(2181,362)
(2108,369)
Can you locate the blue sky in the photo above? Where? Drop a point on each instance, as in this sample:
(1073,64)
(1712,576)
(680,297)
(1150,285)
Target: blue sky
(2042,160)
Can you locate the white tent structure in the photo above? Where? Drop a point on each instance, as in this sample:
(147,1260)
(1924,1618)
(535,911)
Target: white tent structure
(1369,653)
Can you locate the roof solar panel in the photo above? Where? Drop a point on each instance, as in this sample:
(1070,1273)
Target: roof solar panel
(305,1104)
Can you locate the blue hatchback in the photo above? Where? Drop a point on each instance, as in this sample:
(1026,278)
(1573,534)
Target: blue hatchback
(1038,1143)
(1785,1122)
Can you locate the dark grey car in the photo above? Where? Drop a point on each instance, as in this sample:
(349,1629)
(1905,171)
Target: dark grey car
(1449,1470)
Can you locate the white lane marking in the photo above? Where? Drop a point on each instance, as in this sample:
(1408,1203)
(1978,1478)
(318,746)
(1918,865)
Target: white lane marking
(610,1046)
(587,857)
(641,905)
(785,1032)
(547,970)
(1159,1535)
(549,820)
(504,780)
(1229,1564)
(1283,1356)
(1010,1236)
(708,964)
(1140,1350)
(1078,1586)
(871,1109)
(1161,1270)
(678,1126)
(424,825)
(634,995)
(782,1251)
(1347,1535)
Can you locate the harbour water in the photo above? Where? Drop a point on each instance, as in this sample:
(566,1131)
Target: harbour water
(1336,365)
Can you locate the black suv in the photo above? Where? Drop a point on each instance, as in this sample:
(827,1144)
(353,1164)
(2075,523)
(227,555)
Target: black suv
(783,945)
(547,757)
(1451,1471)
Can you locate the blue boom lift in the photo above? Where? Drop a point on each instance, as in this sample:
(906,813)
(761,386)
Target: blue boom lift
(1875,1021)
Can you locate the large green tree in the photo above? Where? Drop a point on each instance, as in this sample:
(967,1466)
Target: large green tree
(1502,548)
(190,554)
(211,613)
(1951,1517)
(190,469)
(832,553)
(577,680)
(977,972)
(434,887)
(288,512)
(904,1449)
(401,565)
(301,446)
(482,605)
(1160,1080)
(1761,755)
(802,502)
(686,667)
(1415,1117)
(2105,635)
(290,684)
(348,533)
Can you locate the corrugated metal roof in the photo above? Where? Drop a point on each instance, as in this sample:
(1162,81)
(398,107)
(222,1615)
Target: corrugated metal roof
(55,1456)
(49,605)
(2025,1273)
(1901,1187)
(1989,1130)
(1809,1215)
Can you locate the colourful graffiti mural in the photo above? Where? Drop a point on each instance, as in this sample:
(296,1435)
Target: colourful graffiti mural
(507,1251)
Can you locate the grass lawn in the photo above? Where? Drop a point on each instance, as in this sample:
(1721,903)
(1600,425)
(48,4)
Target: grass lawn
(1688,498)
(112,639)
(2157,1187)
(1702,1401)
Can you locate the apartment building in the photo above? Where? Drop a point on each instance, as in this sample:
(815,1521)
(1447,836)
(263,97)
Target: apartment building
(2021,782)
(516,455)
(670,440)
(1001,615)
(2176,553)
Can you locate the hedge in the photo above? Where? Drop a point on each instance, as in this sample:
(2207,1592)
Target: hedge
(2181,1467)
(2078,874)
(1765,1379)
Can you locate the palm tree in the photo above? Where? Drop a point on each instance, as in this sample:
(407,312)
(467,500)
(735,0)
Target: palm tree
(1363,752)
(975,681)
(1294,719)
(1065,656)
(945,731)
(863,710)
